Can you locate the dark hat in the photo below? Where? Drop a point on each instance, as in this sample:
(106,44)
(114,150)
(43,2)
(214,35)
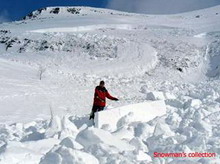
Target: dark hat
(102,82)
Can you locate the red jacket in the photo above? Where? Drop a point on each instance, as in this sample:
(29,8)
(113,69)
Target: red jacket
(100,96)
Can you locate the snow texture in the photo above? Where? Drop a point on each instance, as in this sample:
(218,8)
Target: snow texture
(163,68)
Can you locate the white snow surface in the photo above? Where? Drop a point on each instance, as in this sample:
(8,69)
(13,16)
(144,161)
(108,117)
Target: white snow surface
(51,61)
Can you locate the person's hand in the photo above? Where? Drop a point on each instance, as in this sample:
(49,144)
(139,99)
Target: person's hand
(116,99)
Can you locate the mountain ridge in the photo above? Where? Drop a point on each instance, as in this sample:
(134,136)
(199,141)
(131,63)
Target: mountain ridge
(82,10)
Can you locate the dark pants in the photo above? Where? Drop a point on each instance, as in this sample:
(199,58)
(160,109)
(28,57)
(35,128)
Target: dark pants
(95,109)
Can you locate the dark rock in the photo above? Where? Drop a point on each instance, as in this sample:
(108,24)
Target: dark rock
(21,49)
(42,9)
(55,10)
(4,40)
(34,14)
(180,69)
(10,43)
(4,31)
(73,10)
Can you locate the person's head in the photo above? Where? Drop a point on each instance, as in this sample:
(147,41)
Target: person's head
(102,84)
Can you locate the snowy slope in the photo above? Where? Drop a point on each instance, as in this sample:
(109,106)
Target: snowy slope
(113,45)
(174,58)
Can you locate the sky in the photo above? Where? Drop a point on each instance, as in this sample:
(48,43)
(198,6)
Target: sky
(11,10)
(161,6)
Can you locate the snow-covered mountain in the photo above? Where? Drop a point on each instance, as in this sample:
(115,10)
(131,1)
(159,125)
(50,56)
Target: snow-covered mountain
(53,58)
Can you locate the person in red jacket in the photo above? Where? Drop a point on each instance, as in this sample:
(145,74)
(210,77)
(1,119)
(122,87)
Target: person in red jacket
(100,96)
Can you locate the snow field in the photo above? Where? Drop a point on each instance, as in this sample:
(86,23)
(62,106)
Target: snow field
(171,60)
(189,128)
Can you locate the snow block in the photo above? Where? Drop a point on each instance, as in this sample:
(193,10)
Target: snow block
(143,112)
(163,129)
(70,142)
(63,155)
(168,95)
(195,103)
(155,96)
(93,136)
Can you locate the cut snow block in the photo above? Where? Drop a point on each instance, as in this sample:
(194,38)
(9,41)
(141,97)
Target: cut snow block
(142,112)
